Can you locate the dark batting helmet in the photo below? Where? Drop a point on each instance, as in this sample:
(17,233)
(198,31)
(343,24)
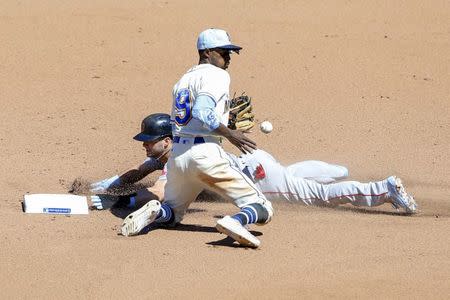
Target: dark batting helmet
(153,127)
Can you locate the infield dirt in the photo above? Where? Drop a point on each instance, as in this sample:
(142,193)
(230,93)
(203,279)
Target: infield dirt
(364,84)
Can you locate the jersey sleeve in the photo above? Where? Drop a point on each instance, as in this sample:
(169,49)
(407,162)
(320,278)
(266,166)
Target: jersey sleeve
(203,111)
(215,85)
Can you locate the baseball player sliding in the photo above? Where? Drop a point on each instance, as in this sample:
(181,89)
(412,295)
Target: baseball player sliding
(156,136)
(308,182)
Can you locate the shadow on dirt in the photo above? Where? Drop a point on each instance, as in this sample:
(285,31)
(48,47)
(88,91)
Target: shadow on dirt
(124,212)
(361,210)
(225,242)
(229,242)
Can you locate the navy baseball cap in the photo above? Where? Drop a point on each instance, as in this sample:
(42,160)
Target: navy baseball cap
(216,38)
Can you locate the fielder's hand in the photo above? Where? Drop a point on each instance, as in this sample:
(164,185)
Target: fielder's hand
(240,140)
(237,138)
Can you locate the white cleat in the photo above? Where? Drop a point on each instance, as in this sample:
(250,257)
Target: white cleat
(236,231)
(399,196)
(138,220)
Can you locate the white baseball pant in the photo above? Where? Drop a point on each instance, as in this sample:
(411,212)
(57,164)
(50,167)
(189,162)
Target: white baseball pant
(280,183)
(194,167)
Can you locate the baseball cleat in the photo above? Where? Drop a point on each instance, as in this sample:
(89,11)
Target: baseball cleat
(399,196)
(138,220)
(236,231)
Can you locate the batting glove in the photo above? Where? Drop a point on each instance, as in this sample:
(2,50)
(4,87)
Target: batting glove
(101,202)
(100,187)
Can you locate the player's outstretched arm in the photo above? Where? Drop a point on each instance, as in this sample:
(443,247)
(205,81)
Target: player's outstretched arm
(140,198)
(137,173)
(237,138)
(130,176)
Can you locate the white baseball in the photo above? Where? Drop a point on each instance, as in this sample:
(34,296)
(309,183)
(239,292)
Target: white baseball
(266,127)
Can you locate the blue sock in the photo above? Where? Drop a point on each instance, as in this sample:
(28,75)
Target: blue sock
(165,214)
(247,215)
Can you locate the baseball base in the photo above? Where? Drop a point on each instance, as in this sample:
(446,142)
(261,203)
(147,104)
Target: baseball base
(63,204)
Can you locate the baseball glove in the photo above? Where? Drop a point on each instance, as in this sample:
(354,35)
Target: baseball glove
(241,115)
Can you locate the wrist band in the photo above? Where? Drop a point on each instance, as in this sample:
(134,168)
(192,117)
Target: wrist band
(132,202)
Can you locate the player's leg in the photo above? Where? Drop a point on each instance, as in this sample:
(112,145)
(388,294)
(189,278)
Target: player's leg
(318,170)
(166,213)
(155,192)
(179,192)
(353,192)
(356,193)
(312,169)
(182,187)
(219,174)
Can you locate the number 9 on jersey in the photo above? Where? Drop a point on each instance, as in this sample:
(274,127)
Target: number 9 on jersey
(183,107)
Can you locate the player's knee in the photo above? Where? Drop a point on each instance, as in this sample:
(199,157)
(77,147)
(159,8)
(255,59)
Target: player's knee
(264,212)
